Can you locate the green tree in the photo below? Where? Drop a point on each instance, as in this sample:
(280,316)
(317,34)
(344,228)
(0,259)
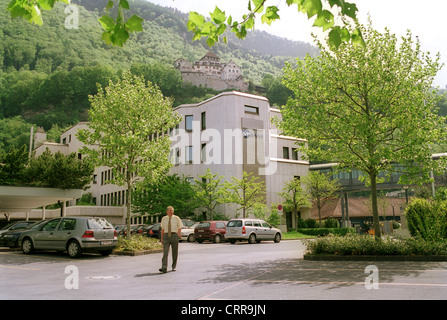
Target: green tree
(14,132)
(295,197)
(171,190)
(245,192)
(367,107)
(123,119)
(208,191)
(321,189)
(56,170)
(12,165)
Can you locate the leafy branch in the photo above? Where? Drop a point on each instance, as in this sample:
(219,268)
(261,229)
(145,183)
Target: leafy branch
(217,25)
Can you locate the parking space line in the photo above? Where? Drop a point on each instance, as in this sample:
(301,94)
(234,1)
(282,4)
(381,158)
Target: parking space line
(22,268)
(36,256)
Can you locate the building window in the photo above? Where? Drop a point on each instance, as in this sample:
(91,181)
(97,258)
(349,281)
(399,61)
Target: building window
(203,153)
(188,123)
(188,154)
(251,110)
(295,154)
(285,153)
(203,121)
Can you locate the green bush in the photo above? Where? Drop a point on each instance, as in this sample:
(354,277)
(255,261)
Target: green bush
(355,244)
(331,223)
(310,223)
(326,231)
(137,243)
(427,220)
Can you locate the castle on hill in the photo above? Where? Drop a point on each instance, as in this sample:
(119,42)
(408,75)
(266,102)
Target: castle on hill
(210,72)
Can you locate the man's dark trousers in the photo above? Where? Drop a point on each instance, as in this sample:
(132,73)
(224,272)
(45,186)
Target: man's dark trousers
(170,241)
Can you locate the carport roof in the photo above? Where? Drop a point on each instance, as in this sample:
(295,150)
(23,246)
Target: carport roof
(23,199)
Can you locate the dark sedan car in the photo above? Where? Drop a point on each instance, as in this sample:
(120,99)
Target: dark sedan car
(11,237)
(152,231)
(16,225)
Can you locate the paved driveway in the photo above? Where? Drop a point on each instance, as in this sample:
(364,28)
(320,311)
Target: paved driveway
(265,271)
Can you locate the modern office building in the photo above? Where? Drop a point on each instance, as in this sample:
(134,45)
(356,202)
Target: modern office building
(229,133)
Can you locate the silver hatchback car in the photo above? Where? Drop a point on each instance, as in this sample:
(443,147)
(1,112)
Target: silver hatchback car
(72,234)
(253,230)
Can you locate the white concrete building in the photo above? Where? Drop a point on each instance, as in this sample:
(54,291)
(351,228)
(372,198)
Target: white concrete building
(229,133)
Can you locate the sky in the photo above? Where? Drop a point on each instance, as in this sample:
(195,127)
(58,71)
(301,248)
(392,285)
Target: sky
(426,19)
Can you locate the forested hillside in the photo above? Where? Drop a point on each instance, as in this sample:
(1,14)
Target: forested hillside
(47,72)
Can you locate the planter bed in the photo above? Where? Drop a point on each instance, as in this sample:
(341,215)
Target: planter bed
(137,253)
(336,257)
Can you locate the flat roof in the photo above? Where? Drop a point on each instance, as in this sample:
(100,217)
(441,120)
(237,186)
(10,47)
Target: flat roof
(23,199)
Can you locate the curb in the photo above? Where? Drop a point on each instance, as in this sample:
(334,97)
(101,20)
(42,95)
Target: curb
(334,257)
(136,253)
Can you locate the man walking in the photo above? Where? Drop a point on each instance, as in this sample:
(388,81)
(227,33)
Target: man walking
(171,226)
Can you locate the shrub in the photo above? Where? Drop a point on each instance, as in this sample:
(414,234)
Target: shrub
(311,223)
(354,244)
(331,223)
(137,243)
(427,220)
(326,231)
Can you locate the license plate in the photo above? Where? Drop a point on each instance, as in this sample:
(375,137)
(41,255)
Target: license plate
(201,230)
(106,243)
(233,231)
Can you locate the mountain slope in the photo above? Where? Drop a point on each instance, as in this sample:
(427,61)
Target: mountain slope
(47,72)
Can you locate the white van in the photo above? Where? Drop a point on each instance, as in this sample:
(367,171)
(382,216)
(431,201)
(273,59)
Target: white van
(253,230)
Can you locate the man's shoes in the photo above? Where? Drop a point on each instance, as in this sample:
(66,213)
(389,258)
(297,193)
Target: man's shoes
(162,270)
(173,269)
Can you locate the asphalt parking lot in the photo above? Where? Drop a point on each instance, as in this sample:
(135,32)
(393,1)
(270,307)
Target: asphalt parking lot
(265,271)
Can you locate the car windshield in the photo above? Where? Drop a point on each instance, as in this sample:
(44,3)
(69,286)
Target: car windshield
(99,223)
(235,223)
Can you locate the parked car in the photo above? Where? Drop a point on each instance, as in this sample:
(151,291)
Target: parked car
(152,231)
(210,230)
(251,230)
(138,229)
(16,225)
(72,234)
(119,228)
(11,237)
(123,231)
(187,233)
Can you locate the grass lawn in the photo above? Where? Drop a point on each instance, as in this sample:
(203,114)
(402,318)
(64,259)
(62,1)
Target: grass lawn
(295,235)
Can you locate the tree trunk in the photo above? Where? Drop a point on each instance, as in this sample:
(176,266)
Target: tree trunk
(128,202)
(375,210)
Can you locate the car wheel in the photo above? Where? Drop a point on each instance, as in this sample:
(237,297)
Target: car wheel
(74,249)
(252,239)
(27,246)
(277,238)
(191,238)
(217,238)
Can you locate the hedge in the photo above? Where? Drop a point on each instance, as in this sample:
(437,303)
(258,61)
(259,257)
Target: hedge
(326,231)
(354,244)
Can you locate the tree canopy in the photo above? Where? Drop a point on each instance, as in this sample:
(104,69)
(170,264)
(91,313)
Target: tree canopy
(371,108)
